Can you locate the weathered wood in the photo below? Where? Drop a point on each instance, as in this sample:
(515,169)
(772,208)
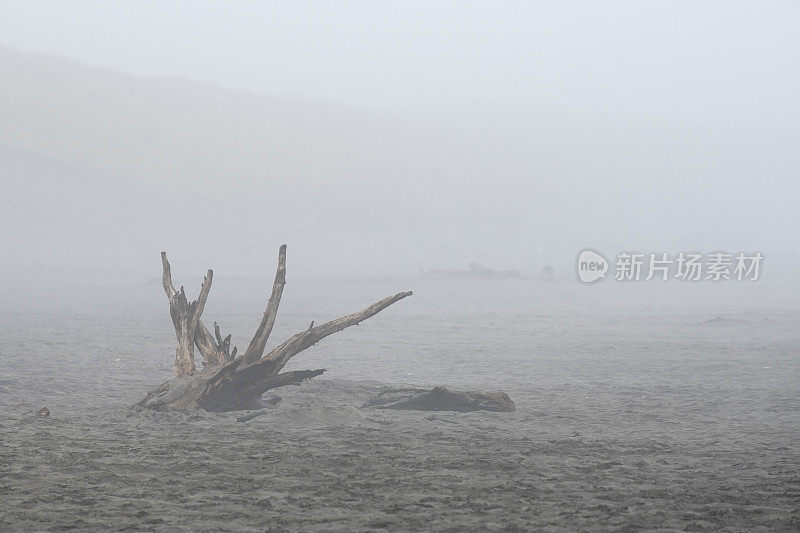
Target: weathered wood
(230,391)
(256,348)
(228,382)
(185,317)
(441,399)
(214,349)
(277,358)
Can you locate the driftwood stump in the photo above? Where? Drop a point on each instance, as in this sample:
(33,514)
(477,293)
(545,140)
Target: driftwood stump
(441,399)
(229,382)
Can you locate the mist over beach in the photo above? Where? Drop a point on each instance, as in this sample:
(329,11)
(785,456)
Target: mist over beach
(469,152)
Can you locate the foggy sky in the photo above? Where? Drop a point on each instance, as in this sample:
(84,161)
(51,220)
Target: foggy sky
(418,133)
(658,57)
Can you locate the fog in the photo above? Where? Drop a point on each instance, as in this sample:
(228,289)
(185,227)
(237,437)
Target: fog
(464,174)
(380,138)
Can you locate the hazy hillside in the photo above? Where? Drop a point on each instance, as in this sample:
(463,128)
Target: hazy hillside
(217,173)
(103,170)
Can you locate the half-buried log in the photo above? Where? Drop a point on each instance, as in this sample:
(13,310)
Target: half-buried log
(229,382)
(441,399)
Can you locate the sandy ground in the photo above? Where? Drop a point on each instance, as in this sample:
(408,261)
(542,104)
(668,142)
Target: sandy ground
(319,462)
(645,417)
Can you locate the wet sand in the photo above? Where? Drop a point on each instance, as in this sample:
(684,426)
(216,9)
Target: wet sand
(670,421)
(319,462)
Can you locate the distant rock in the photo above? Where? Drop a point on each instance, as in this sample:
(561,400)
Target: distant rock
(43,412)
(441,399)
(722,320)
(476,271)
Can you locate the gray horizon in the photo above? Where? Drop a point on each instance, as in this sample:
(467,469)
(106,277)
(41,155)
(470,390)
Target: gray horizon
(377,139)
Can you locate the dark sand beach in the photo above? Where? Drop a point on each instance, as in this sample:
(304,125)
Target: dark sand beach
(660,413)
